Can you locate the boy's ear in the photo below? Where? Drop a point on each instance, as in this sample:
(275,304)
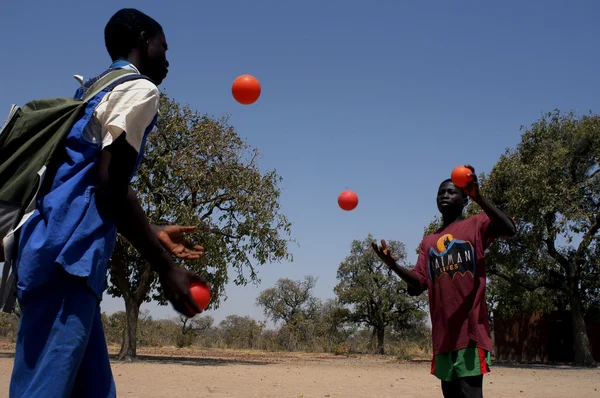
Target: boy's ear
(144,39)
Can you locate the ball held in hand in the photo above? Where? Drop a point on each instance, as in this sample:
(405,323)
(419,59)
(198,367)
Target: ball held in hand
(201,294)
(460,176)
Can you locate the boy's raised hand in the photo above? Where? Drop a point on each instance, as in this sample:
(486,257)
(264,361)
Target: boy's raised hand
(472,188)
(384,252)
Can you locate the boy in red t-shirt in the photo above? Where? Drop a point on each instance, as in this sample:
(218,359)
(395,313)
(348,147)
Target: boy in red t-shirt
(451,266)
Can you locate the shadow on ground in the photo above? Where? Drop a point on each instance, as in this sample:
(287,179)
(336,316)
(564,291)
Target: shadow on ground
(190,361)
(200,361)
(541,366)
(164,360)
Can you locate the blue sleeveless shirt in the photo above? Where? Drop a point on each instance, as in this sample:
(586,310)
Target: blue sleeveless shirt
(66,228)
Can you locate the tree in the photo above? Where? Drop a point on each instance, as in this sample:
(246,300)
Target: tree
(240,331)
(292,302)
(550,184)
(378,298)
(189,328)
(195,324)
(198,171)
(289,299)
(332,325)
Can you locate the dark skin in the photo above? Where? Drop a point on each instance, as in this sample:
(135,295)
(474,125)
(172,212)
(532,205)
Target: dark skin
(150,57)
(117,201)
(451,201)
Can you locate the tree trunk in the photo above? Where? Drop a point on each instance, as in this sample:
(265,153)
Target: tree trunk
(581,342)
(372,340)
(133,299)
(380,336)
(128,346)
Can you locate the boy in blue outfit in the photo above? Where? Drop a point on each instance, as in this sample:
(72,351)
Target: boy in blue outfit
(65,246)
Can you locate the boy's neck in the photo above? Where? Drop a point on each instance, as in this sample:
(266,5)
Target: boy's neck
(450,218)
(133,58)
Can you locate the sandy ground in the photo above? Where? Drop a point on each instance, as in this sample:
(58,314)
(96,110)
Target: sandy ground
(223,373)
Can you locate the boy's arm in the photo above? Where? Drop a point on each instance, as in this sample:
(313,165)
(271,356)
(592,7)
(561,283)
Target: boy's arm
(412,279)
(407,275)
(117,201)
(128,110)
(500,223)
(125,114)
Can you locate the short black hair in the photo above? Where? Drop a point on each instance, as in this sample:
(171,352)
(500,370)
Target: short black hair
(464,194)
(123,30)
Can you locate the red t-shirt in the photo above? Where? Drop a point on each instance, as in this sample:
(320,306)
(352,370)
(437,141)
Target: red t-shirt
(451,266)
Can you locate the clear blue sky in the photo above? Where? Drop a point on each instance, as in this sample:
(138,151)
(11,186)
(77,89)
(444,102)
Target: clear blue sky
(384,98)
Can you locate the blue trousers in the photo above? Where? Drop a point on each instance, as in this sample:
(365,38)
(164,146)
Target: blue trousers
(61,349)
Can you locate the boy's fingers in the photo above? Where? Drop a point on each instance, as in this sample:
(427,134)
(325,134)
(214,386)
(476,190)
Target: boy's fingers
(178,249)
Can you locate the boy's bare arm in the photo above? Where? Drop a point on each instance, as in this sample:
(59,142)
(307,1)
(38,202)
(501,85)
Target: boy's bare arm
(117,201)
(408,276)
(501,224)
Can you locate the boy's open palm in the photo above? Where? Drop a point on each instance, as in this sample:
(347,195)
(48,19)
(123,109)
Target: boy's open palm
(172,239)
(384,252)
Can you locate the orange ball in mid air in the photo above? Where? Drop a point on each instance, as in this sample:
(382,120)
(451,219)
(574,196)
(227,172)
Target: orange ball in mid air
(246,89)
(460,176)
(201,294)
(348,200)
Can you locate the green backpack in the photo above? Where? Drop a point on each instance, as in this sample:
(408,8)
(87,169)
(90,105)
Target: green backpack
(30,144)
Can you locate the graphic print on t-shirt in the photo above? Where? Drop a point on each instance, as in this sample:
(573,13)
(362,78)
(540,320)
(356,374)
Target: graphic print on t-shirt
(451,256)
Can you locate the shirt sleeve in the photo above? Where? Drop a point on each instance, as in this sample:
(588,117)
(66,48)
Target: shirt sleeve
(129,108)
(422,266)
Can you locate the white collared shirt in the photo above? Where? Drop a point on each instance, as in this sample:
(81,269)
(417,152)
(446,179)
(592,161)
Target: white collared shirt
(129,108)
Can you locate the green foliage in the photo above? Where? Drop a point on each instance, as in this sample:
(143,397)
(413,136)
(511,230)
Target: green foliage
(198,171)
(289,300)
(550,185)
(9,325)
(306,322)
(243,332)
(376,297)
(189,328)
(114,325)
(240,332)
(333,326)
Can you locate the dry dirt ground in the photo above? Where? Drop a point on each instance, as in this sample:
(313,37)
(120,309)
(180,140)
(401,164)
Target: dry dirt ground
(171,372)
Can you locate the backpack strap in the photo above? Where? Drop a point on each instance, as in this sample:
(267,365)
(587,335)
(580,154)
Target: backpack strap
(109,80)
